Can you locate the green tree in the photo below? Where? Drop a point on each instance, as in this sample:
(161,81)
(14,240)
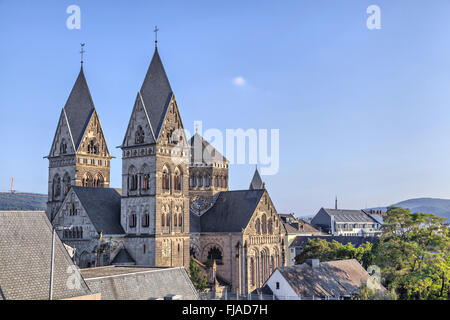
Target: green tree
(413,254)
(333,250)
(197,279)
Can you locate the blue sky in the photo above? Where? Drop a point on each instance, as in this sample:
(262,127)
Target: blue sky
(363,114)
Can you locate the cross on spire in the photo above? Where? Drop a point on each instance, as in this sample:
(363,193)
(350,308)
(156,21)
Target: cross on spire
(156,36)
(82,51)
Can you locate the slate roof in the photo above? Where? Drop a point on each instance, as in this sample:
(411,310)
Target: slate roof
(198,154)
(123,258)
(349,215)
(231,212)
(79,108)
(329,279)
(356,241)
(156,93)
(194,222)
(291,228)
(256,182)
(139,283)
(25,255)
(103,208)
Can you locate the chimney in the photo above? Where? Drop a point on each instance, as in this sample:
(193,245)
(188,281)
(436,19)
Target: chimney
(313,263)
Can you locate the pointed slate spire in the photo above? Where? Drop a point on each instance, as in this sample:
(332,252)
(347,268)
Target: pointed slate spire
(156,93)
(79,108)
(257,182)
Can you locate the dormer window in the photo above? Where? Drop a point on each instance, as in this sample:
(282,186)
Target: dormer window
(140,135)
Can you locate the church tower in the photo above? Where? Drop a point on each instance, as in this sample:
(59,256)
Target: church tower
(208,173)
(79,155)
(155,175)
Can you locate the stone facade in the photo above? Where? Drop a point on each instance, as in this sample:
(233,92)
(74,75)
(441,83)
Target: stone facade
(163,184)
(79,160)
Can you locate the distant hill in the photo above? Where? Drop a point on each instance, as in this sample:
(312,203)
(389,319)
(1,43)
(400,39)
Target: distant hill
(22,201)
(439,207)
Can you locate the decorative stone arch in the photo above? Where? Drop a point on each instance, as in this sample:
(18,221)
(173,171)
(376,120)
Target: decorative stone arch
(263,223)
(194,251)
(258,226)
(145,174)
(88,180)
(66,183)
(209,250)
(63,146)
(139,135)
(93,146)
(56,186)
(165,178)
(178,179)
(99,180)
(84,260)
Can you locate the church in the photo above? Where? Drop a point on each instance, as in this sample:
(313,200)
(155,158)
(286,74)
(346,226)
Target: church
(174,202)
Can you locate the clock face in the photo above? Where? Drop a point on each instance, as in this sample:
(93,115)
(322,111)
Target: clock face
(165,248)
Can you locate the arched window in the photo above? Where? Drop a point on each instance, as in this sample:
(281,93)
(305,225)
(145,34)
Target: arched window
(140,135)
(99,182)
(270,226)
(73,209)
(66,182)
(180,219)
(178,180)
(132,179)
(145,220)
(264,224)
(199,181)
(168,220)
(87,181)
(92,147)
(56,186)
(258,226)
(216,181)
(145,177)
(163,220)
(215,254)
(175,220)
(207,181)
(192,181)
(165,179)
(63,147)
(132,223)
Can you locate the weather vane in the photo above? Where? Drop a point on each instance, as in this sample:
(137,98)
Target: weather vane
(156,35)
(82,51)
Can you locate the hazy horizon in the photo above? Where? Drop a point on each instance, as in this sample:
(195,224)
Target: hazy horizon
(363,114)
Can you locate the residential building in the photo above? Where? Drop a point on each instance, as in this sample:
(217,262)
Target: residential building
(345,222)
(339,279)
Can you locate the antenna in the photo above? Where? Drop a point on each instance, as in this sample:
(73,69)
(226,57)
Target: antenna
(12,184)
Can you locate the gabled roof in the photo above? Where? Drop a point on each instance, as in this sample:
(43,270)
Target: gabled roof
(139,283)
(103,208)
(198,154)
(79,108)
(231,212)
(25,255)
(344,215)
(156,93)
(303,227)
(329,279)
(257,182)
(123,258)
